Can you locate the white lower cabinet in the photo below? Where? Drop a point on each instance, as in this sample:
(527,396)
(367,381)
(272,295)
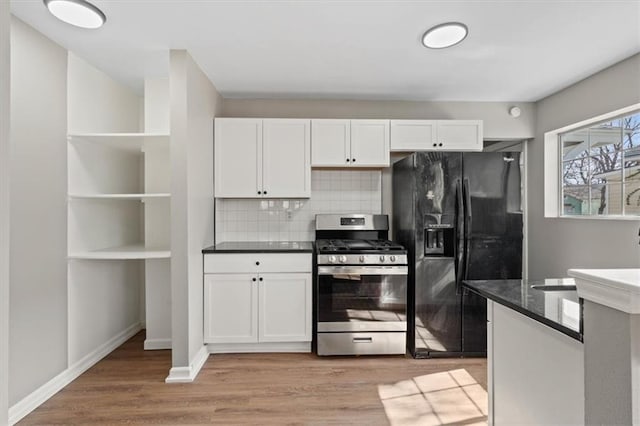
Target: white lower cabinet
(258,311)
(231,302)
(284,308)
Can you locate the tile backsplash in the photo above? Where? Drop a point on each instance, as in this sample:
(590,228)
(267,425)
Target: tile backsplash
(332,191)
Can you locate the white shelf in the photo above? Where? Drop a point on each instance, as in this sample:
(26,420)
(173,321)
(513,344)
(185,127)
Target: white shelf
(133,142)
(119,196)
(128,252)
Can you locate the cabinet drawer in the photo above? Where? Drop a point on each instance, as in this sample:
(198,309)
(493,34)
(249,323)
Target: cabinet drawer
(230,263)
(361,343)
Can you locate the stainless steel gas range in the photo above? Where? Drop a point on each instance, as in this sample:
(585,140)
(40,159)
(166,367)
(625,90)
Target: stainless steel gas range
(361,287)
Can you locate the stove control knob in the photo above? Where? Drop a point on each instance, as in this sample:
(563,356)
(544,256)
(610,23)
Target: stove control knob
(392,258)
(332,259)
(381,258)
(343,259)
(361,259)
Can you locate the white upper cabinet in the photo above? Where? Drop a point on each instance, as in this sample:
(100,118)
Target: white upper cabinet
(331,143)
(413,135)
(436,135)
(238,157)
(350,143)
(370,143)
(460,135)
(286,158)
(256,158)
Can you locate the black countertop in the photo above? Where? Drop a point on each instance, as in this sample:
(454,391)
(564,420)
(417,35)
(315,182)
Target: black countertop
(560,310)
(261,247)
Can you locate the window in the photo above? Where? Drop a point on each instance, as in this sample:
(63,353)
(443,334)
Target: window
(600,168)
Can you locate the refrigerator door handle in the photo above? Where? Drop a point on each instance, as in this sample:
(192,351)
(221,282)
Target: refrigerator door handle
(468,217)
(460,236)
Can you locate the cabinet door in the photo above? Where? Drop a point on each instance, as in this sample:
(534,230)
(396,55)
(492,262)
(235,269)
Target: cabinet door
(285,308)
(413,135)
(238,157)
(286,158)
(330,143)
(230,308)
(460,135)
(369,143)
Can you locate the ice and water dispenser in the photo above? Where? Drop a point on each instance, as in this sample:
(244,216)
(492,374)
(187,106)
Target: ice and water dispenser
(439,238)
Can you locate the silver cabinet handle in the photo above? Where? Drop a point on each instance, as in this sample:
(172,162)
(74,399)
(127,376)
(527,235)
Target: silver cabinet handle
(363,340)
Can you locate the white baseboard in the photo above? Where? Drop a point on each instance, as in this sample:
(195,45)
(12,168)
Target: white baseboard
(224,348)
(30,402)
(188,374)
(157,344)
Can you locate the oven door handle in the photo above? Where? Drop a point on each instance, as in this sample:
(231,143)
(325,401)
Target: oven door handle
(363,270)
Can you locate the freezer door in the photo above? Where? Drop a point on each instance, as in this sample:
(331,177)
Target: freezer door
(437,308)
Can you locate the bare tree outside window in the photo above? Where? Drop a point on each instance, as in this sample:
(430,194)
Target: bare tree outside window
(601,168)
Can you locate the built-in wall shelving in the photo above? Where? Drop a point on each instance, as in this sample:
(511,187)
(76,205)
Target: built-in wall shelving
(128,252)
(118,211)
(140,197)
(123,141)
(119,199)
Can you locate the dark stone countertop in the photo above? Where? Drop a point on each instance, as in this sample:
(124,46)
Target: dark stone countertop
(261,247)
(560,310)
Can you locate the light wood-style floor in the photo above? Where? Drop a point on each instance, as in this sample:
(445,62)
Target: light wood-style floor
(257,389)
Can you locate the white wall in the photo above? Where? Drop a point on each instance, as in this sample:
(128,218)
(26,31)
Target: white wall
(156,105)
(498,124)
(556,245)
(194,104)
(38,263)
(99,104)
(5,23)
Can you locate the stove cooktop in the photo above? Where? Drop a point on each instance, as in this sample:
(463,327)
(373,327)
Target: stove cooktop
(358,246)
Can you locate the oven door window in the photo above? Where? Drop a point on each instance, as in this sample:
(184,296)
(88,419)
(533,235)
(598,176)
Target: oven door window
(347,298)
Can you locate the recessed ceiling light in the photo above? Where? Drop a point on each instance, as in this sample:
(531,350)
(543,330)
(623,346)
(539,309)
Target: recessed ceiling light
(445,35)
(76,12)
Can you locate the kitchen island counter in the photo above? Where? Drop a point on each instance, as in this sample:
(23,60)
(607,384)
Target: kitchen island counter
(560,310)
(533,338)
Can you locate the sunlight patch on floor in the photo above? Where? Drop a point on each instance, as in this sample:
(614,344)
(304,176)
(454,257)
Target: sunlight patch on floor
(446,398)
(424,338)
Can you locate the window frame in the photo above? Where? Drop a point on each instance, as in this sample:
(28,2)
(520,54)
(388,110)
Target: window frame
(553,161)
(562,161)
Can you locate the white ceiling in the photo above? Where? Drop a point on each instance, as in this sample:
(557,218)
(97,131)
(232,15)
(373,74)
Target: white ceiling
(516,50)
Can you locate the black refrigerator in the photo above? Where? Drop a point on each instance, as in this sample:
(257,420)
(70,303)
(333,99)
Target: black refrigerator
(460,217)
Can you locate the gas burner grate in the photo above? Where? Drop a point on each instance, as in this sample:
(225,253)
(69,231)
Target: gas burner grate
(357,245)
